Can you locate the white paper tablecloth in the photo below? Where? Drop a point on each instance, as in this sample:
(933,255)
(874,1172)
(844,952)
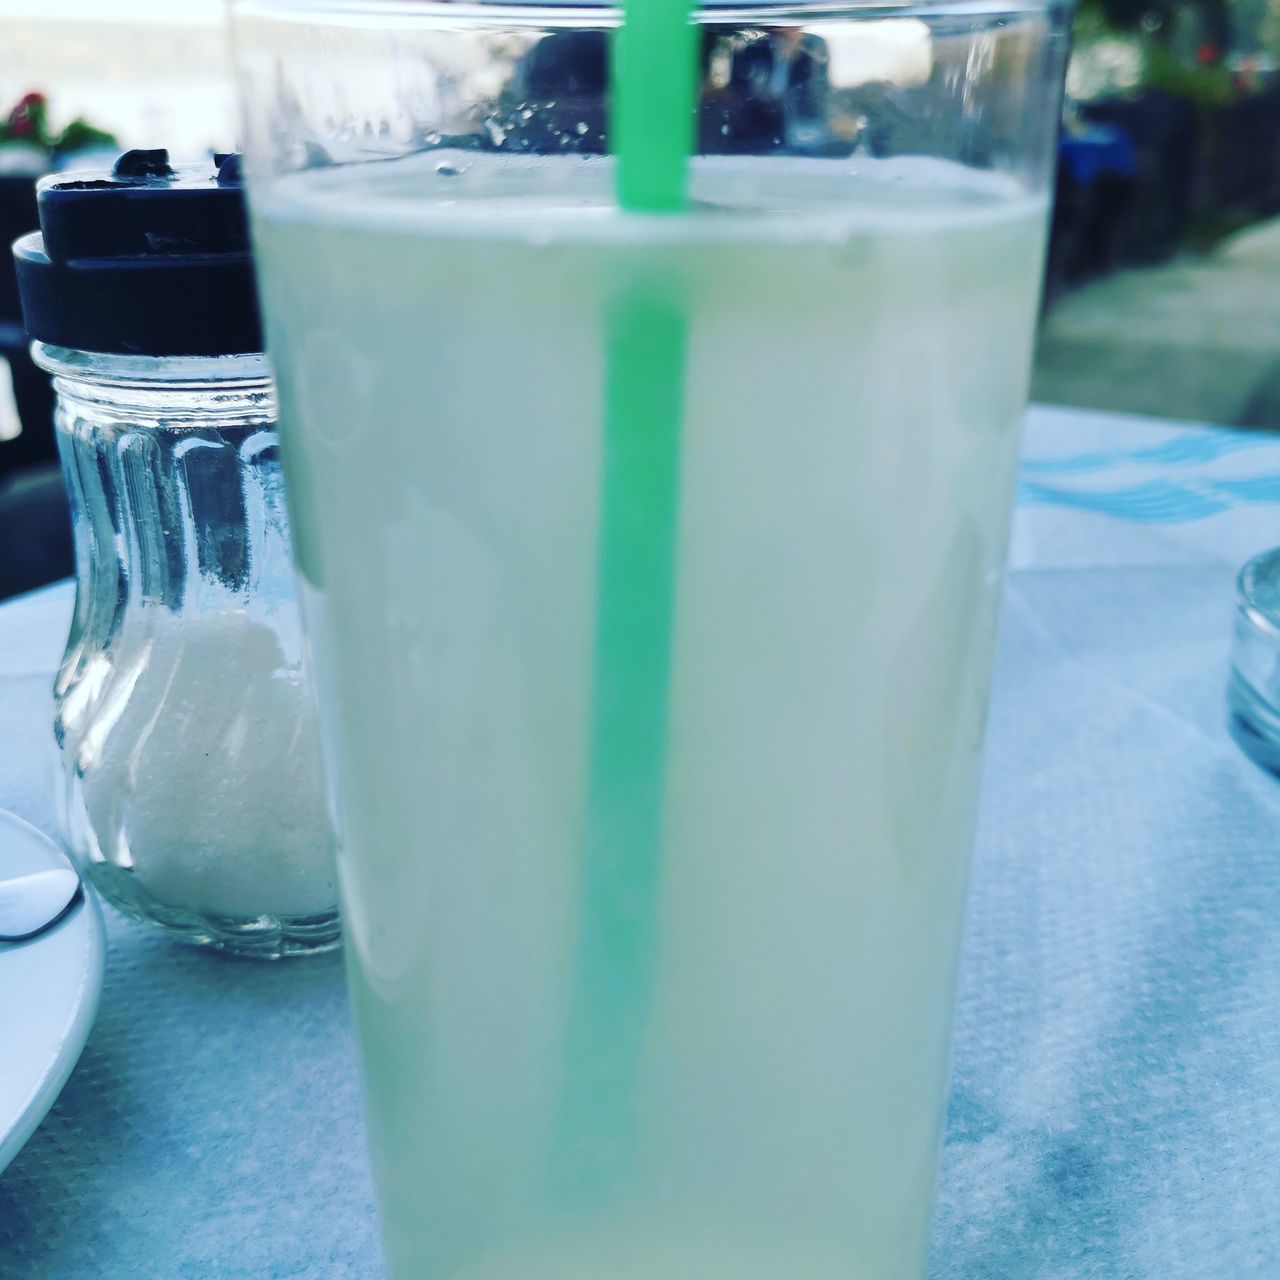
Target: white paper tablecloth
(1115,1109)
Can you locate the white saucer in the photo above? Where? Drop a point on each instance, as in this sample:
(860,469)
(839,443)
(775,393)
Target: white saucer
(49,989)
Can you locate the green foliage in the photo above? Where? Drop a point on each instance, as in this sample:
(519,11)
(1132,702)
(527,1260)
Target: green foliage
(80,135)
(1207,86)
(28,123)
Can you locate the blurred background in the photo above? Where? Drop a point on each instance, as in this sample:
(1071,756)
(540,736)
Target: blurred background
(143,69)
(1162,289)
(80,80)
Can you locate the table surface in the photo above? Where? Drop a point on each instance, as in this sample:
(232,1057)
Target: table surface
(1115,1106)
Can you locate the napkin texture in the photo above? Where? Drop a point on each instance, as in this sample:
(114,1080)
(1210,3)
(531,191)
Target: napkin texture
(1115,1107)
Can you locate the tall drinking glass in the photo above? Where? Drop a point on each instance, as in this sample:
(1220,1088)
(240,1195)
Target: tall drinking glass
(654,755)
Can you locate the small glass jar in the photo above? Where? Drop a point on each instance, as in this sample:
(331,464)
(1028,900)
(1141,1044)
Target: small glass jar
(191,791)
(1253,689)
(191,788)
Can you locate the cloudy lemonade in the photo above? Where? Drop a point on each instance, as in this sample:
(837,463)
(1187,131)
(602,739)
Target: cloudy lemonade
(856,366)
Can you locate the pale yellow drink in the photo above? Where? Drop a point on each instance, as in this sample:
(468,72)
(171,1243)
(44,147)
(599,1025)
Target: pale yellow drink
(856,368)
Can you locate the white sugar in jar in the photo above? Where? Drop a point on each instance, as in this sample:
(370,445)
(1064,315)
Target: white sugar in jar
(191,789)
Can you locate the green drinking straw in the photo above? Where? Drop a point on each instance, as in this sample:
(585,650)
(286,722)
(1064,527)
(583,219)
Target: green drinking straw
(653,81)
(654,84)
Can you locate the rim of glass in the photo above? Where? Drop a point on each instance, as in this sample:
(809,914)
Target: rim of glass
(569,13)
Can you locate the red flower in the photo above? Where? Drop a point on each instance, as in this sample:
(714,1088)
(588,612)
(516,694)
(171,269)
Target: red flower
(26,118)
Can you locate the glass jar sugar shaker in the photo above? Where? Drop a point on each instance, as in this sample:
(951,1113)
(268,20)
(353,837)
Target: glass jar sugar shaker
(191,785)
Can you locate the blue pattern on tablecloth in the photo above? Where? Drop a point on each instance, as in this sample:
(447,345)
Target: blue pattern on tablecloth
(1197,473)
(1152,502)
(1190,447)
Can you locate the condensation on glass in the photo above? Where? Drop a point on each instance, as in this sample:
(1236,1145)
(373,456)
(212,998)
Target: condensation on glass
(962,81)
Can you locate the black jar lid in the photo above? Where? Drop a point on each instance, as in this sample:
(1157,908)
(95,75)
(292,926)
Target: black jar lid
(143,260)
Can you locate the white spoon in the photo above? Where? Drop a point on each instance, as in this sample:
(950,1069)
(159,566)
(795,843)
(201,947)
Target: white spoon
(30,904)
